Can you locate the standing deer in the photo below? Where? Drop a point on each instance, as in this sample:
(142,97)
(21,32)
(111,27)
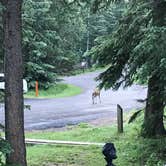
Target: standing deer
(95,94)
(83,65)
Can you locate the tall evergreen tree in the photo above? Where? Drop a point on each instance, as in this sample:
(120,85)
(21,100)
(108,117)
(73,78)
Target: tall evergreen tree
(136,50)
(153,121)
(99,24)
(52,33)
(14,115)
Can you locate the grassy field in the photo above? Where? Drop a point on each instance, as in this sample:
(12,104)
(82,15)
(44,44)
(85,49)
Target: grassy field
(56,91)
(132,149)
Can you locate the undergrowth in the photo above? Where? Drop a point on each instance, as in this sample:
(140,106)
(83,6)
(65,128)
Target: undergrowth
(132,149)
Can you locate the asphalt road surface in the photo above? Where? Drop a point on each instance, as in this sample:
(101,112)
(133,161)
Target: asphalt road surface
(56,113)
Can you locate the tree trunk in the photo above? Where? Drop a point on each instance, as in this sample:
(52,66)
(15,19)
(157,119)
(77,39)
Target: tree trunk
(153,120)
(14,115)
(159,13)
(88,58)
(88,33)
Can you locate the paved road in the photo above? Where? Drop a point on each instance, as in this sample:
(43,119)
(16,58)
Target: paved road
(53,113)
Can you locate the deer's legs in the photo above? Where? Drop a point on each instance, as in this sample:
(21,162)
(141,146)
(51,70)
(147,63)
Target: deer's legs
(99,98)
(93,102)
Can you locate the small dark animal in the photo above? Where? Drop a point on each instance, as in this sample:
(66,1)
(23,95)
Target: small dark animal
(96,93)
(109,152)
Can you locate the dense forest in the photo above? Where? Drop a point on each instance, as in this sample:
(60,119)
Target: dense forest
(45,39)
(57,37)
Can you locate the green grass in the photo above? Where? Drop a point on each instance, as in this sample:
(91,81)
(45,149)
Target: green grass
(64,156)
(56,91)
(132,149)
(78,133)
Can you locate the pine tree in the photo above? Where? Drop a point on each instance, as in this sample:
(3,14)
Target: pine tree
(136,50)
(14,115)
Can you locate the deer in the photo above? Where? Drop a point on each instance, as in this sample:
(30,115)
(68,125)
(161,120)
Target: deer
(95,94)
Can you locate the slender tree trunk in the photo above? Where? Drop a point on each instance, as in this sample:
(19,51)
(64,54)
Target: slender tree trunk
(88,33)
(153,120)
(14,115)
(88,59)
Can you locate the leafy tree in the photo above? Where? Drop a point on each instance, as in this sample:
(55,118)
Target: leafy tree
(100,24)
(136,50)
(37,42)
(55,36)
(51,36)
(70,28)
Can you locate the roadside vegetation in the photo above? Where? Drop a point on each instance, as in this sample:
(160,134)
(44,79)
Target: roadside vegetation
(132,149)
(55,91)
(42,40)
(87,70)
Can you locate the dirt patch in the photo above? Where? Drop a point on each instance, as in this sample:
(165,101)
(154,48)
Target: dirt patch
(103,121)
(61,129)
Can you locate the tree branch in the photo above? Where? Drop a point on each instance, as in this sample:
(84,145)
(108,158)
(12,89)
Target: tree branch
(3,2)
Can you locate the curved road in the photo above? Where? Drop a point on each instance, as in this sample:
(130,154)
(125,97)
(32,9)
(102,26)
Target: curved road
(54,113)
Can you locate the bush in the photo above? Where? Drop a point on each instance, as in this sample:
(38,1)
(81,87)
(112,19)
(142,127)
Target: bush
(4,150)
(1,96)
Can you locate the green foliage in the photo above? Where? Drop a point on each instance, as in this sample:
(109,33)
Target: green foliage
(134,116)
(4,150)
(87,70)
(55,36)
(55,91)
(135,51)
(132,150)
(99,25)
(52,33)
(36,44)
(1,96)
(4,145)
(64,155)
